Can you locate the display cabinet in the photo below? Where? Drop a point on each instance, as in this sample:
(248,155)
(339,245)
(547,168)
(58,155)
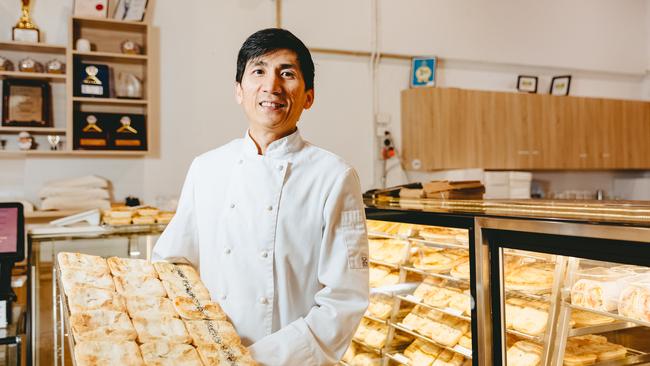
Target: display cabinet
(565,292)
(548,283)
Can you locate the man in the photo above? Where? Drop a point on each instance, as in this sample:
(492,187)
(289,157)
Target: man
(276,225)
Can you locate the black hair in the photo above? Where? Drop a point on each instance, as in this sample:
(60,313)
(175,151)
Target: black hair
(271,39)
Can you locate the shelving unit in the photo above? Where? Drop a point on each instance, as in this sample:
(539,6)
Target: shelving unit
(105,35)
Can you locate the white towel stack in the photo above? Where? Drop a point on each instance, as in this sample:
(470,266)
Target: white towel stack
(513,185)
(82,193)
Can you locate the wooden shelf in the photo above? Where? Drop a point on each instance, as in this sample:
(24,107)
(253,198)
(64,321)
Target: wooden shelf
(116,23)
(34,130)
(33,75)
(110,100)
(110,56)
(32,47)
(74,153)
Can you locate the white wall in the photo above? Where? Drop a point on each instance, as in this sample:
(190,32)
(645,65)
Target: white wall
(604,44)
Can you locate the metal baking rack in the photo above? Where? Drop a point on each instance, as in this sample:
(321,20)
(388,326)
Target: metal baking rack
(440,244)
(375,319)
(375,350)
(450,312)
(382,263)
(61,319)
(433,274)
(456,349)
(398,357)
(528,337)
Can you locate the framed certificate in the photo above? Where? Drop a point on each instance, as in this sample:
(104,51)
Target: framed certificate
(26,103)
(423,71)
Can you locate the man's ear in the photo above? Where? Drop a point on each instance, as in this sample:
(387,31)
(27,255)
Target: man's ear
(239,93)
(309,98)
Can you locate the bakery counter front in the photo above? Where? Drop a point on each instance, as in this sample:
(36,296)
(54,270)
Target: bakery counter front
(471,286)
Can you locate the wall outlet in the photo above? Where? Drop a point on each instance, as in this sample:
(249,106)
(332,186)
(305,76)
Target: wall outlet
(382,118)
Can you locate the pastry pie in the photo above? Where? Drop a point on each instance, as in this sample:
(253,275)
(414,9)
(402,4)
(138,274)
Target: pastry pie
(524,353)
(101,353)
(139,285)
(366,359)
(163,328)
(144,306)
(184,288)
(95,325)
(175,272)
(193,309)
(461,270)
(83,298)
(536,277)
(162,353)
(83,262)
(128,266)
(448,358)
(211,332)
(72,278)
(217,355)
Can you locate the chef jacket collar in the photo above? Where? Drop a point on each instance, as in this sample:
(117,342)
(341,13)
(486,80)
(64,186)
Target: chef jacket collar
(277,148)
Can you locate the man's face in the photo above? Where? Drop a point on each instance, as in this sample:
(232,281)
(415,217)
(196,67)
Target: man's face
(272,92)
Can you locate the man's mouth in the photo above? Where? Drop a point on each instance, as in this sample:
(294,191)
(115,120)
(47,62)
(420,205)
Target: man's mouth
(274,105)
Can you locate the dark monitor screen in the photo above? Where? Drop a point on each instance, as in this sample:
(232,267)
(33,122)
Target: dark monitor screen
(11,231)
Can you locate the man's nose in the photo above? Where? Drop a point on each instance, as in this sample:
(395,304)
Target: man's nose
(272,83)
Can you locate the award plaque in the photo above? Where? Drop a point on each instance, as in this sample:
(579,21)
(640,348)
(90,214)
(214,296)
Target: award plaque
(91,130)
(25,30)
(128,132)
(26,103)
(92,80)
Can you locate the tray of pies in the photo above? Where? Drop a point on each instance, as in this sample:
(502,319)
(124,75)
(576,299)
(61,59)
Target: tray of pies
(138,215)
(131,312)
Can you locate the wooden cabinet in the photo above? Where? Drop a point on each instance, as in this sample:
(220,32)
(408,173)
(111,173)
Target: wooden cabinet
(455,128)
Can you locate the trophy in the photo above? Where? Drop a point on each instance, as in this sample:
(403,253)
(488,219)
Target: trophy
(25,30)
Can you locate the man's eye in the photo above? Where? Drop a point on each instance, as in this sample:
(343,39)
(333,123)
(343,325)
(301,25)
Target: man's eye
(257,72)
(288,74)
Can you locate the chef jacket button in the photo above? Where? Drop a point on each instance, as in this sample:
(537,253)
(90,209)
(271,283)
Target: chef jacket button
(270,208)
(264,254)
(280,167)
(232,205)
(264,300)
(223,297)
(227,251)
(241,161)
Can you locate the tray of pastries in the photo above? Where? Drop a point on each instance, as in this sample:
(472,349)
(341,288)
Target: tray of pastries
(130,312)
(139,215)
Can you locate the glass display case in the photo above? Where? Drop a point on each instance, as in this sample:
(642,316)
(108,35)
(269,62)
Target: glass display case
(421,306)
(565,293)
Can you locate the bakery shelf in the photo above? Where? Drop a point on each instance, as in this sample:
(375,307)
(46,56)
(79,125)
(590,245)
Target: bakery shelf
(528,337)
(393,290)
(343,363)
(398,357)
(375,350)
(34,130)
(379,234)
(438,244)
(530,255)
(601,328)
(431,274)
(382,263)
(375,319)
(525,295)
(451,312)
(611,315)
(109,100)
(112,56)
(455,349)
(32,47)
(32,75)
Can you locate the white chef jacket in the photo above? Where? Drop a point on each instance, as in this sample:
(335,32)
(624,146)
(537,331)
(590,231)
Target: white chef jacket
(280,241)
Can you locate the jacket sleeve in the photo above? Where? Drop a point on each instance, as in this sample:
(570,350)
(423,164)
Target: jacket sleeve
(179,242)
(322,336)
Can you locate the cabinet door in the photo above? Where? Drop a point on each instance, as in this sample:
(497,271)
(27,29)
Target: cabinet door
(544,133)
(504,132)
(636,134)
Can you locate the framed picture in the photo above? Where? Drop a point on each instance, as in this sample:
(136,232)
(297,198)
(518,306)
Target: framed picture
(26,103)
(527,83)
(423,71)
(560,85)
(131,10)
(91,8)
